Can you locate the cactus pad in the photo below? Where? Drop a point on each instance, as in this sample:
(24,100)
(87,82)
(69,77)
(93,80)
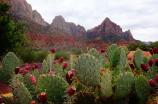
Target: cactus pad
(88,70)
(54,86)
(138,58)
(110,52)
(145,60)
(23,94)
(31,88)
(123,60)
(105,84)
(154,58)
(142,88)
(9,63)
(124,85)
(36,73)
(94,52)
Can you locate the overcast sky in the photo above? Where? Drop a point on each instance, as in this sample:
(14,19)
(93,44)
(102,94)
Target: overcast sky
(139,16)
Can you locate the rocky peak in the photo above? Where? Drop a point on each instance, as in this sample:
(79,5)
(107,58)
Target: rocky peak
(22,8)
(69,27)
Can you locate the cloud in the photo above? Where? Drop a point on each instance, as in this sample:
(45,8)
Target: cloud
(140,16)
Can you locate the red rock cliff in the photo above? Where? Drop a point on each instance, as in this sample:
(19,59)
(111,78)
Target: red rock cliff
(22,8)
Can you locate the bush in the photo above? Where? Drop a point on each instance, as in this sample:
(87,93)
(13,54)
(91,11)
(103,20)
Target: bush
(65,55)
(30,55)
(134,46)
(76,51)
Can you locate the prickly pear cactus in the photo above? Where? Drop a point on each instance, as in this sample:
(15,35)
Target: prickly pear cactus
(151,73)
(116,57)
(145,60)
(142,88)
(9,63)
(154,58)
(36,73)
(31,88)
(54,86)
(45,69)
(4,77)
(94,52)
(138,58)
(124,85)
(110,52)
(125,49)
(88,70)
(105,84)
(102,59)
(23,94)
(123,60)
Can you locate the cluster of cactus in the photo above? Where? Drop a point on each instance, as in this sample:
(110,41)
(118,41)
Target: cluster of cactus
(90,82)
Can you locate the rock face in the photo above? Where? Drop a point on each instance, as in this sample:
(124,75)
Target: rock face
(22,8)
(68,27)
(108,27)
(106,31)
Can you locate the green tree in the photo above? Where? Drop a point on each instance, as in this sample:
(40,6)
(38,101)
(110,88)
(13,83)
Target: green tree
(12,35)
(153,44)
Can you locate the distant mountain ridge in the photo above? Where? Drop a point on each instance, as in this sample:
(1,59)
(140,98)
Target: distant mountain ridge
(105,31)
(66,34)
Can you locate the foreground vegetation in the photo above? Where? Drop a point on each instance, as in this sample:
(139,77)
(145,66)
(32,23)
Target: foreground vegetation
(96,77)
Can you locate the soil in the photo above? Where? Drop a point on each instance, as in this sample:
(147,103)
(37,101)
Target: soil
(4,88)
(145,53)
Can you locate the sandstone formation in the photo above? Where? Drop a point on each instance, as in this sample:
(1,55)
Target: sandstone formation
(23,9)
(68,27)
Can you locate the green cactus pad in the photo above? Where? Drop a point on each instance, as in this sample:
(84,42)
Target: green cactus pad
(36,73)
(142,88)
(55,87)
(94,52)
(154,57)
(23,94)
(151,73)
(125,49)
(145,60)
(102,62)
(124,85)
(10,62)
(16,78)
(110,52)
(138,58)
(102,59)
(88,70)
(123,60)
(45,69)
(4,77)
(116,57)
(31,88)
(105,84)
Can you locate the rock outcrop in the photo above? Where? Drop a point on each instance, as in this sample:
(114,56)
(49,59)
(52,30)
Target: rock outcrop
(68,27)
(108,27)
(23,9)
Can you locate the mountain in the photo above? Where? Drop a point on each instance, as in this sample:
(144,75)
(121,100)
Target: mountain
(68,27)
(65,35)
(107,31)
(22,9)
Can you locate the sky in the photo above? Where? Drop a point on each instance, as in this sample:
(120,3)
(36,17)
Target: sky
(138,16)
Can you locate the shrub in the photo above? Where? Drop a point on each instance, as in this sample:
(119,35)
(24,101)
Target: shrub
(65,55)
(30,55)
(76,51)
